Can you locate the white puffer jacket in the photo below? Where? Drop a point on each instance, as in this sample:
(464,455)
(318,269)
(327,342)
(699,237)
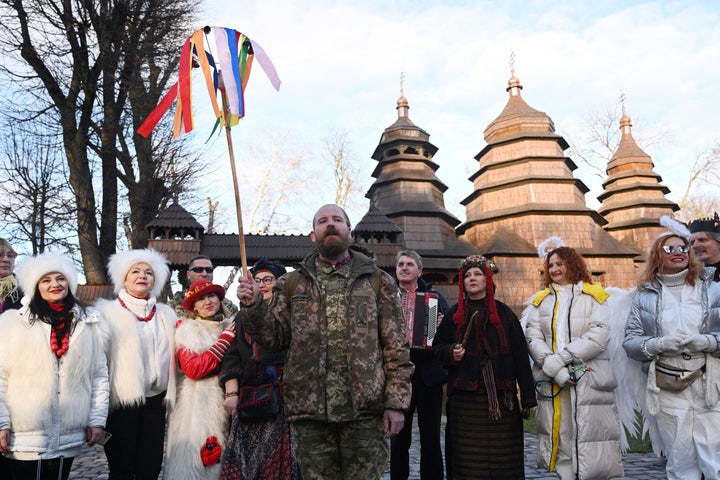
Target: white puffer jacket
(596,446)
(45,402)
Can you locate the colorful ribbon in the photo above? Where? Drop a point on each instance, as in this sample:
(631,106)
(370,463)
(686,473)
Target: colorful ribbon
(234,56)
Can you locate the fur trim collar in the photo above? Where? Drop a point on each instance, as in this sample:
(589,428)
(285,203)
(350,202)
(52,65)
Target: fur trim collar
(138,306)
(121,263)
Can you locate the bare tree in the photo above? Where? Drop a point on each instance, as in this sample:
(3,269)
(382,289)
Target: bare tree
(77,61)
(212,207)
(345,173)
(698,205)
(37,210)
(277,177)
(705,171)
(600,137)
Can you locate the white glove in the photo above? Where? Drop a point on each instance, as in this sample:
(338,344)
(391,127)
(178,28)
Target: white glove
(552,364)
(672,344)
(701,343)
(562,377)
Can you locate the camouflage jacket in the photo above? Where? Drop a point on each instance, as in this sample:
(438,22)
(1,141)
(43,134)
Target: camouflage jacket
(378,351)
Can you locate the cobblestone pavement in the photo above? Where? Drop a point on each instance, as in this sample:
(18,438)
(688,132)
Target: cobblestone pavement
(91,464)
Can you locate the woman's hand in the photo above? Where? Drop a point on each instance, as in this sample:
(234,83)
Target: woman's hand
(4,440)
(231,405)
(458,353)
(93,434)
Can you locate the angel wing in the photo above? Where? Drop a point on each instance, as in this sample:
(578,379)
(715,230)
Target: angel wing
(630,393)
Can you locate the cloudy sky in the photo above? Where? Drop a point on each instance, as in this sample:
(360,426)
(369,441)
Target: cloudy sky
(340,63)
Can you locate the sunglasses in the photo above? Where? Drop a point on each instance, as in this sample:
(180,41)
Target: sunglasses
(200,269)
(264,280)
(669,249)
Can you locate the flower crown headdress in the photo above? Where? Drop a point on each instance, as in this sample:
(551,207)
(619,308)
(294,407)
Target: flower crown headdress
(479,261)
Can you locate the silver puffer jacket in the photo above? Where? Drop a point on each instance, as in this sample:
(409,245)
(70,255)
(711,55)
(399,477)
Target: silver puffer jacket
(644,321)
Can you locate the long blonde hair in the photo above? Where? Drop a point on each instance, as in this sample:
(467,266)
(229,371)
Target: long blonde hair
(654,263)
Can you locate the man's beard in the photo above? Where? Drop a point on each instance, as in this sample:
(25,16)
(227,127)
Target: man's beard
(332,247)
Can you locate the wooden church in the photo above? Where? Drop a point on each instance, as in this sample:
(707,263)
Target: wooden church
(524,192)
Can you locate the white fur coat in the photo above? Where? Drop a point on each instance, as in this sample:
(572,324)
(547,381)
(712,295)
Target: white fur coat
(46,403)
(125,355)
(198,412)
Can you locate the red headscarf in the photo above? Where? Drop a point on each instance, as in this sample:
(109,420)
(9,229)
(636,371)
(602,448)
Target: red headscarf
(488,267)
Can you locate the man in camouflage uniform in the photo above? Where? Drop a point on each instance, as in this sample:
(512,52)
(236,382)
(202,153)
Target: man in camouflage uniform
(200,268)
(347,375)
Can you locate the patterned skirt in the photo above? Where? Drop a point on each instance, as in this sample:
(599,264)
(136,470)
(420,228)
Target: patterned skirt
(260,450)
(482,449)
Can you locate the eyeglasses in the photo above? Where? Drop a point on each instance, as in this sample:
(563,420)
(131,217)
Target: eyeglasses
(10,255)
(669,249)
(200,269)
(264,280)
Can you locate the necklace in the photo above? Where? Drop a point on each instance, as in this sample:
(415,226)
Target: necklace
(58,347)
(142,319)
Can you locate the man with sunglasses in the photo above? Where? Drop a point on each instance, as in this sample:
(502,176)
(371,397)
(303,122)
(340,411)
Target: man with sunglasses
(706,242)
(200,268)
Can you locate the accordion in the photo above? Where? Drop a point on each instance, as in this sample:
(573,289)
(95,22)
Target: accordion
(421,318)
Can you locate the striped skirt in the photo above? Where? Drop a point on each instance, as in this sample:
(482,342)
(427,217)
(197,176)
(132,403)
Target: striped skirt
(481,449)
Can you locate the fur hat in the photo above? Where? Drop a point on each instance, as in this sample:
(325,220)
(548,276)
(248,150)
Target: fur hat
(121,263)
(200,289)
(30,271)
(265,265)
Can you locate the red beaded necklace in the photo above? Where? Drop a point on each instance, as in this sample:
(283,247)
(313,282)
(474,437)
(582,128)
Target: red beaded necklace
(142,319)
(59,346)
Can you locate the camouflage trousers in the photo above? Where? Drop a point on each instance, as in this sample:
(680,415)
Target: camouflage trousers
(355,450)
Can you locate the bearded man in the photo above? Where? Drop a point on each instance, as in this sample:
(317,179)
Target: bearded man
(346,382)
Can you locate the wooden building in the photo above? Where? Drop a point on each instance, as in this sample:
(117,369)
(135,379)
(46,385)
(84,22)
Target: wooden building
(524,192)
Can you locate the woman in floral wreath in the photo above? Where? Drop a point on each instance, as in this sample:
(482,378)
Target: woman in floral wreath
(53,374)
(482,344)
(198,422)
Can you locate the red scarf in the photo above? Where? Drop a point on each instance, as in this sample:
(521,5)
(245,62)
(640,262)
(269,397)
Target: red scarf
(59,338)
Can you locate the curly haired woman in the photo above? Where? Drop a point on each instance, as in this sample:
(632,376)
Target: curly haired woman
(567,333)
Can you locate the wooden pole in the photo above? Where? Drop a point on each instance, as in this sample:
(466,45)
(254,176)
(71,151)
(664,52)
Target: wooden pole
(228,136)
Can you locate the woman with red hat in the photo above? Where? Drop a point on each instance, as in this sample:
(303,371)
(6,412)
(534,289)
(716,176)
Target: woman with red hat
(482,344)
(196,435)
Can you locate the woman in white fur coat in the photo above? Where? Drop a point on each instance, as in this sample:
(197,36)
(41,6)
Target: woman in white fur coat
(141,364)
(198,422)
(53,374)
